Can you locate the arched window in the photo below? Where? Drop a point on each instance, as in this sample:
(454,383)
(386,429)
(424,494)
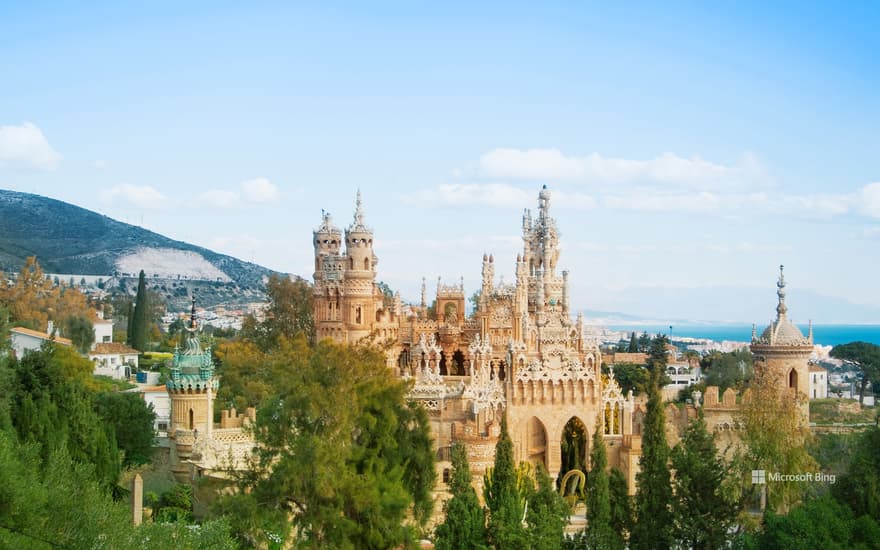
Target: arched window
(793,379)
(366,264)
(192,423)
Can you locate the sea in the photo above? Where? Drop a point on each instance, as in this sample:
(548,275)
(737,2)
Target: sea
(825,335)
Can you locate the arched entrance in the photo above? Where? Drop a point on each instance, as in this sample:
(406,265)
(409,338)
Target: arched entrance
(573,446)
(792,379)
(536,442)
(458,363)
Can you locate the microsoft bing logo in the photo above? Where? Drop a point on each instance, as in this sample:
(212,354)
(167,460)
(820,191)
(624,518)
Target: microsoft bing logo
(759,477)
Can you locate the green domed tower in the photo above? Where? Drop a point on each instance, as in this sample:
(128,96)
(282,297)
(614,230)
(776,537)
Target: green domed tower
(192,387)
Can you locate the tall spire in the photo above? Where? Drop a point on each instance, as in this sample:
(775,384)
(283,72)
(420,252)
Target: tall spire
(359,210)
(193,324)
(781,309)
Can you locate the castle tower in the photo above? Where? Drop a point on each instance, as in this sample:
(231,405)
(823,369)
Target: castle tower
(359,308)
(329,273)
(784,352)
(192,388)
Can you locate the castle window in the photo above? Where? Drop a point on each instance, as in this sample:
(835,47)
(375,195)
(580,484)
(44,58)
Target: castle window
(366,263)
(792,379)
(445,475)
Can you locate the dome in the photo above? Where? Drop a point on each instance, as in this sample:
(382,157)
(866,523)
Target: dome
(782,332)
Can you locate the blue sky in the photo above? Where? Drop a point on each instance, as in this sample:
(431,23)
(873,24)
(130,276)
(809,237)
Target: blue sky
(689,145)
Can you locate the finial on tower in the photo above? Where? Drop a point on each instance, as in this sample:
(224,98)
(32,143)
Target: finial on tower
(810,335)
(781,309)
(192,316)
(424,293)
(359,210)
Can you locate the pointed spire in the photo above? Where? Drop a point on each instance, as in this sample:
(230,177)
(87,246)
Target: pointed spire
(754,332)
(358,223)
(781,309)
(424,293)
(810,335)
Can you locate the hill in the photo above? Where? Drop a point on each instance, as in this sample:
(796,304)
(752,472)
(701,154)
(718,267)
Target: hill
(68,239)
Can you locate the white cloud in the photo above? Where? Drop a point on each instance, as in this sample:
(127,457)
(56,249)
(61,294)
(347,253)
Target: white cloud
(869,200)
(259,190)
(218,198)
(26,144)
(660,202)
(470,194)
(666,168)
(143,196)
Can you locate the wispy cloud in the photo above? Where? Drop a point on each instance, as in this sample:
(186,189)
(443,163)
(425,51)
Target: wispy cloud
(257,190)
(470,194)
(667,168)
(143,196)
(869,200)
(27,145)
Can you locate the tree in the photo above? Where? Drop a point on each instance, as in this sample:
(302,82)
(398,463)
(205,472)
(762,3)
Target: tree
(504,497)
(859,487)
(630,377)
(728,370)
(865,357)
(621,504)
(644,342)
(139,322)
(599,532)
(80,331)
(547,514)
(654,494)
(132,422)
(633,343)
(775,440)
(341,457)
(703,513)
(464,525)
(817,523)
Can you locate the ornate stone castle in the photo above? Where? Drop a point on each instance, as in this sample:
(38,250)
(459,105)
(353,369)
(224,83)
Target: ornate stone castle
(519,354)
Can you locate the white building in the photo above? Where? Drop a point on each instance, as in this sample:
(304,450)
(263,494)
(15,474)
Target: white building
(157,396)
(25,339)
(818,382)
(114,359)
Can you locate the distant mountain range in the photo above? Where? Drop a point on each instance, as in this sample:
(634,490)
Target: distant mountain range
(68,239)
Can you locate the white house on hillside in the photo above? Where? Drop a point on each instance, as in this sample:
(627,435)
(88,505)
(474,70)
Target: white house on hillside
(25,339)
(818,382)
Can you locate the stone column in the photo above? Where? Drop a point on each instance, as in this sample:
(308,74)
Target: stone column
(137,500)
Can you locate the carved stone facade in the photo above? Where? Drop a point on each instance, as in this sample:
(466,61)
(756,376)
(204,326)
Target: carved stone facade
(519,353)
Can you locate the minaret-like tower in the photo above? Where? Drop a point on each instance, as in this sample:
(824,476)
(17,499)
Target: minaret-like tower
(192,388)
(329,272)
(784,352)
(360,277)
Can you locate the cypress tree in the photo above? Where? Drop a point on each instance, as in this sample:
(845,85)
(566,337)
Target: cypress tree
(599,530)
(653,528)
(140,319)
(621,504)
(503,497)
(547,514)
(465,523)
(633,343)
(702,514)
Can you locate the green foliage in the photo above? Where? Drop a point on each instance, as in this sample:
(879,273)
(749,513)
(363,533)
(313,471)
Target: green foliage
(703,512)
(654,516)
(621,504)
(547,514)
(139,322)
(62,505)
(574,439)
(817,523)
(865,357)
(633,343)
(630,377)
(504,497)
(51,407)
(288,315)
(859,487)
(132,422)
(728,370)
(341,455)
(775,439)
(464,526)
(80,331)
(599,532)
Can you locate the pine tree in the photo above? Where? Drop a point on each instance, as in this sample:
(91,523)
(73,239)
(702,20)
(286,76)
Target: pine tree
(599,530)
(465,523)
(653,514)
(702,513)
(503,497)
(140,319)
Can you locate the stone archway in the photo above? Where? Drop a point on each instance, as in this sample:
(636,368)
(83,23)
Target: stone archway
(793,379)
(536,442)
(574,443)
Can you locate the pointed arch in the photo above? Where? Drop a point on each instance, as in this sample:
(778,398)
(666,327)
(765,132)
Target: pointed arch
(536,441)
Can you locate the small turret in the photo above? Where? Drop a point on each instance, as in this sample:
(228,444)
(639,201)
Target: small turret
(359,243)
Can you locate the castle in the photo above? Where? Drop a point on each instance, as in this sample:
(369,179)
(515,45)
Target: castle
(519,354)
